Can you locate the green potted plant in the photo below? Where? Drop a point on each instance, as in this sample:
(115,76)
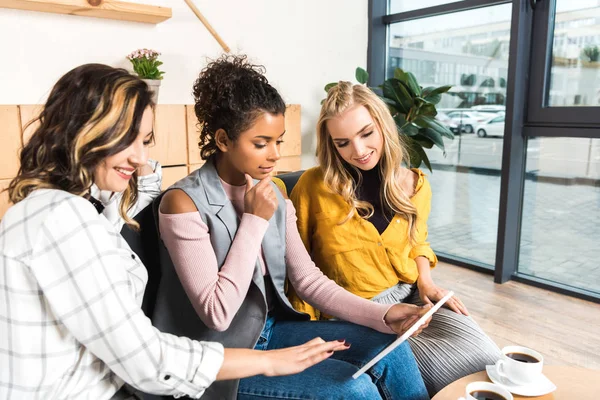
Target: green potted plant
(414,111)
(145,64)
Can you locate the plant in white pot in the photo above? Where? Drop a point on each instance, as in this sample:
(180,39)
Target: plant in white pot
(145,64)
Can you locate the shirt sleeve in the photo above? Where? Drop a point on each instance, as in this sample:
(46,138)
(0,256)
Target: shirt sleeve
(321,292)
(84,277)
(422,246)
(216,294)
(303,221)
(149,188)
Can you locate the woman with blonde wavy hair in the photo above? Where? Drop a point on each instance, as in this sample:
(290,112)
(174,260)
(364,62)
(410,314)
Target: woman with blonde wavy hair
(363,218)
(71,324)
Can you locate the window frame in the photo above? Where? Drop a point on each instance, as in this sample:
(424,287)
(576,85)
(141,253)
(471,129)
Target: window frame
(522,118)
(585,119)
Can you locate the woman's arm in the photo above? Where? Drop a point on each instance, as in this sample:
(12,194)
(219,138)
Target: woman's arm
(149,186)
(300,197)
(323,293)
(425,258)
(216,294)
(91,286)
(241,363)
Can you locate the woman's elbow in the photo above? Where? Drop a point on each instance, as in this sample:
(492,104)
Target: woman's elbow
(219,326)
(217,321)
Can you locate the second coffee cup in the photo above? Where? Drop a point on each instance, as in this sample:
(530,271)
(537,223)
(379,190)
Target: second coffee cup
(486,391)
(520,364)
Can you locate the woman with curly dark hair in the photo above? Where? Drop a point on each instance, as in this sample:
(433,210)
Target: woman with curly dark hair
(231,244)
(71,323)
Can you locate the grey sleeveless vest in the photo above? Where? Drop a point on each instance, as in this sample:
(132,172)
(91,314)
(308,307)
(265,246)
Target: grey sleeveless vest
(174,312)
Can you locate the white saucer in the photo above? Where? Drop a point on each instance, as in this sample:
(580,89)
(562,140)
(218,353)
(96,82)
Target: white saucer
(540,387)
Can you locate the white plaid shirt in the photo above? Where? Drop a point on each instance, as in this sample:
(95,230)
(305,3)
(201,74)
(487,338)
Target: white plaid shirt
(148,190)
(71,325)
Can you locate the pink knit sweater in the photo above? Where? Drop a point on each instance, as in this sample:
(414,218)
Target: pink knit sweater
(218,294)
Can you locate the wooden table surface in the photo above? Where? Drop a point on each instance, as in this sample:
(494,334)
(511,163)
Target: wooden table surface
(572,383)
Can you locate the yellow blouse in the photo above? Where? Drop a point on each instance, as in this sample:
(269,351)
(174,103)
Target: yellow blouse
(354,254)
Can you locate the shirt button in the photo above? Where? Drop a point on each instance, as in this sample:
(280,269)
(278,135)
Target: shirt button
(378,243)
(133,256)
(167,377)
(397,221)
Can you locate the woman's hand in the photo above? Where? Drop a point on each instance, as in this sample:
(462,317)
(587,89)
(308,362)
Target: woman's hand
(400,317)
(242,363)
(144,170)
(292,360)
(260,200)
(431,293)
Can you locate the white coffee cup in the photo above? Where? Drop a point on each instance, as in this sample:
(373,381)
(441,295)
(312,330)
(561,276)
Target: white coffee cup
(475,387)
(525,371)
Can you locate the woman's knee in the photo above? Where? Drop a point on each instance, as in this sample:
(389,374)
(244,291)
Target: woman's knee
(359,388)
(401,362)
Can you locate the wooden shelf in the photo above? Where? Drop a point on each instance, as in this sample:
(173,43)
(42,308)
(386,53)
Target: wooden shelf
(110,9)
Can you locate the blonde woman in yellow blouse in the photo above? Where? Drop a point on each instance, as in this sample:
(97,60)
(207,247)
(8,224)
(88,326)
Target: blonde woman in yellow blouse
(363,218)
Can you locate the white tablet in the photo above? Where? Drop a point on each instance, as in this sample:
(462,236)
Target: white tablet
(404,336)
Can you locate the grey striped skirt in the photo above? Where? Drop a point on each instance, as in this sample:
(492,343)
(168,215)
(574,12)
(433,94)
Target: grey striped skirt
(452,346)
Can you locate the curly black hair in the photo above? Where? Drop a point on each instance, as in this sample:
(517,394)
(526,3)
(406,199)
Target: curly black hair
(229,94)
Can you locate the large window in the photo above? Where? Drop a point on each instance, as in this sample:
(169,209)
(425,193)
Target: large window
(517,191)
(560,234)
(575,79)
(468,50)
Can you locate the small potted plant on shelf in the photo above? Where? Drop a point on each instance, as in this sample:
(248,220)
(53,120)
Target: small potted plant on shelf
(145,64)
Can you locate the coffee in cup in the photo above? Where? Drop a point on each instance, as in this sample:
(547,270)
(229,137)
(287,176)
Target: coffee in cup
(520,365)
(486,391)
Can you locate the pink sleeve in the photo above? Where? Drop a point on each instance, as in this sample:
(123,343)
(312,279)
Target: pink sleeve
(320,291)
(215,294)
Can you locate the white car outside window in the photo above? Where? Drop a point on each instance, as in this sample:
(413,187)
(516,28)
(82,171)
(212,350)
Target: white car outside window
(492,127)
(468,119)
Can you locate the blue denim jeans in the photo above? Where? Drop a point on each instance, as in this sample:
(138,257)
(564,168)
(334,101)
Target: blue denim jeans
(395,377)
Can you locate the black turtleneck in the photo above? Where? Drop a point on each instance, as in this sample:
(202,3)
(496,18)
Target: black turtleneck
(370,190)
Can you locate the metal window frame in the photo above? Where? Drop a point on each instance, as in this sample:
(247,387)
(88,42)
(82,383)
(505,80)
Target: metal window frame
(377,48)
(523,119)
(539,114)
(448,8)
(514,151)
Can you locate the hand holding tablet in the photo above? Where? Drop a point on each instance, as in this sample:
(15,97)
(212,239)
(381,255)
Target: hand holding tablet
(404,336)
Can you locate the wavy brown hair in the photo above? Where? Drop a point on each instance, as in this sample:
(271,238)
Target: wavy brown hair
(339,179)
(92,112)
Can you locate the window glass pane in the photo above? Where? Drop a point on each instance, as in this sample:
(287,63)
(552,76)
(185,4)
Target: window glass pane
(575,71)
(560,232)
(468,50)
(397,6)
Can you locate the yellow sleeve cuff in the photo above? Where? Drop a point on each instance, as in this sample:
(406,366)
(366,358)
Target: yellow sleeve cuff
(424,251)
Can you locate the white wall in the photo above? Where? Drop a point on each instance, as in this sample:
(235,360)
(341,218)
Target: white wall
(304,44)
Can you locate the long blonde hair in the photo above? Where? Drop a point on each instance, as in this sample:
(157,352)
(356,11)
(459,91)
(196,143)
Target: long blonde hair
(93,111)
(338,178)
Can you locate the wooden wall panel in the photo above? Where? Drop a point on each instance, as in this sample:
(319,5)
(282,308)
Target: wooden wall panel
(28,112)
(292,141)
(172,175)
(193,136)
(170,129)
(193,167)
(10,139)
(4,203)
(176,145)
(288,164)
